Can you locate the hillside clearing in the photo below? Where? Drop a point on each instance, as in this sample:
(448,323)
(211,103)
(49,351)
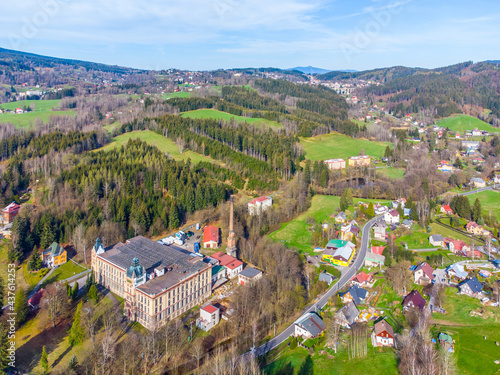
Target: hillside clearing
(218,115)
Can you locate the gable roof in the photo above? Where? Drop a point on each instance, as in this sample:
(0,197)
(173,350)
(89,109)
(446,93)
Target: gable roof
(343,252)
(447,208)
(211,233)
(259,200)
(54,249)
(414,298)
(362,277)
(325,276)
(378,250)
(436,238)
(374,257)
(426,268)
(312,323)
(11,207)
(358,294)
(250,272)
(394,213)
(350,312)
(474,285)
(383,326)
(458,270)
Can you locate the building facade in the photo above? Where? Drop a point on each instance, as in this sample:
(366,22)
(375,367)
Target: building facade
(158,282)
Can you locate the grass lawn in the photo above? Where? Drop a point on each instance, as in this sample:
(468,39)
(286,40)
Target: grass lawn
(63,272)
(110,127)
(416,239)
(334,145)
(490,201)
(474,354)
(178,94)
(296,233)
(392,172)
(447,232)
(461,123)
(4,262)
(32,278)
(43,110)
(218,115)
(292,362)
(164,144)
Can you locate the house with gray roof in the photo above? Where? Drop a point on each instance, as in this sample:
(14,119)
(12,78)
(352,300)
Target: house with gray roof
(471,287)
(309,325)
(249,276)
(374,260)
(347,315)
(326,277)
(354,293)
(436,240)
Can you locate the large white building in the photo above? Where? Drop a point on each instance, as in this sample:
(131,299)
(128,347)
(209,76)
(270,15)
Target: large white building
(158,282)
(335,164)
(256,206)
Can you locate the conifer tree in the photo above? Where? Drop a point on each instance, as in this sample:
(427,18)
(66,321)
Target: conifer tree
(76,334)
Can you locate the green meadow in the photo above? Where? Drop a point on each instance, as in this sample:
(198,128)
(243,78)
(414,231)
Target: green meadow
(44,109)
(218,115)
(461,123)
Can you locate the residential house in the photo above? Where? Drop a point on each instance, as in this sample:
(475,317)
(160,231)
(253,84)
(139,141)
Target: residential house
(406,212)
(9,213)
(446,341)
(399,202)
(354,293)
(496,179)
(446,210)
(414,300)
(347,315)
(380,209)
(383,334)
(349,231)
(359,161)
(374,260)
(335,244)
(326,277)
(35,299)
(340,257)
(19,110)
(458,246)
(258,205)
(309,326)
(249,276)
(379,229)
(471,287)
(363,279)
(477,182)
(392,217)
(474,228)
(436,240)
(470,144)
(209,317)
(423,274)
(335,164)
(407,223)
(54,256)
(211,237)
(233,265)
(457,272)
(341,218)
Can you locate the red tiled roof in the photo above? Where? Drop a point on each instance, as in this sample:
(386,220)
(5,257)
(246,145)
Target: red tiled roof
(209,309)
(12,207)
(394,213)
(227,260)
(259,199)
(378,249)
(211,233)
(447,208)
(234,264)
(362,277)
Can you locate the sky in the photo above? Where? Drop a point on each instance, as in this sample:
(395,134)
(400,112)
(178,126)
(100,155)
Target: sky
(213,34)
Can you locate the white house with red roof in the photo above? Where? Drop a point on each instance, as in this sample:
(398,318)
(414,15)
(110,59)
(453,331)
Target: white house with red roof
(256,206)
(19,110)
(457,246)
(383,334)
(363,279)
(423,274)
(335,164)
(446,210)
(233,265)
(392,217)
(209,317)
(211,237)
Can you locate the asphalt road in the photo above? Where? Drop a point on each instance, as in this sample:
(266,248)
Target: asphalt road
(319,304)
(478,190)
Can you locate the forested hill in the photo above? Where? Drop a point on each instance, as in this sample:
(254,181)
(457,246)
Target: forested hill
(11,60)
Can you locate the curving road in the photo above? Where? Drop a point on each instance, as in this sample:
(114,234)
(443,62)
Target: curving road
(319,304)
(479,190)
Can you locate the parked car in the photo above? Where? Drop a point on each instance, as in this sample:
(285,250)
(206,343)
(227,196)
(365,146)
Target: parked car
(189,233)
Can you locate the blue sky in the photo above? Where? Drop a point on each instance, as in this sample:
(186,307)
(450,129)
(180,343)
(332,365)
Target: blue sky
(211,34)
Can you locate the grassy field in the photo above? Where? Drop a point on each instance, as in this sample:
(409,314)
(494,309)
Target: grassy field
(461,123)
(218,115)
(110,127)
(446,232)
(296,233)
(296,361)
(392,172)
(164,144)
(475,349)
(43,111)
(490,201)
(178,94)
(333,145)
(63,272)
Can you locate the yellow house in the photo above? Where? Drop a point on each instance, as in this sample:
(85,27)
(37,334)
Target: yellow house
(55,255)
(339,257)
(359,161)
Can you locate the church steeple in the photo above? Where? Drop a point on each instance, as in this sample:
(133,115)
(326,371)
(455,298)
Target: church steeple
(231,238)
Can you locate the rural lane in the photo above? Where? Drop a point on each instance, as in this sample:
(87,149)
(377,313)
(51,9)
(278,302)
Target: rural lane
(344,279)
(478,190)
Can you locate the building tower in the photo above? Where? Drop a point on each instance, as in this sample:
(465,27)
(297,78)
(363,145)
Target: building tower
(231,238)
